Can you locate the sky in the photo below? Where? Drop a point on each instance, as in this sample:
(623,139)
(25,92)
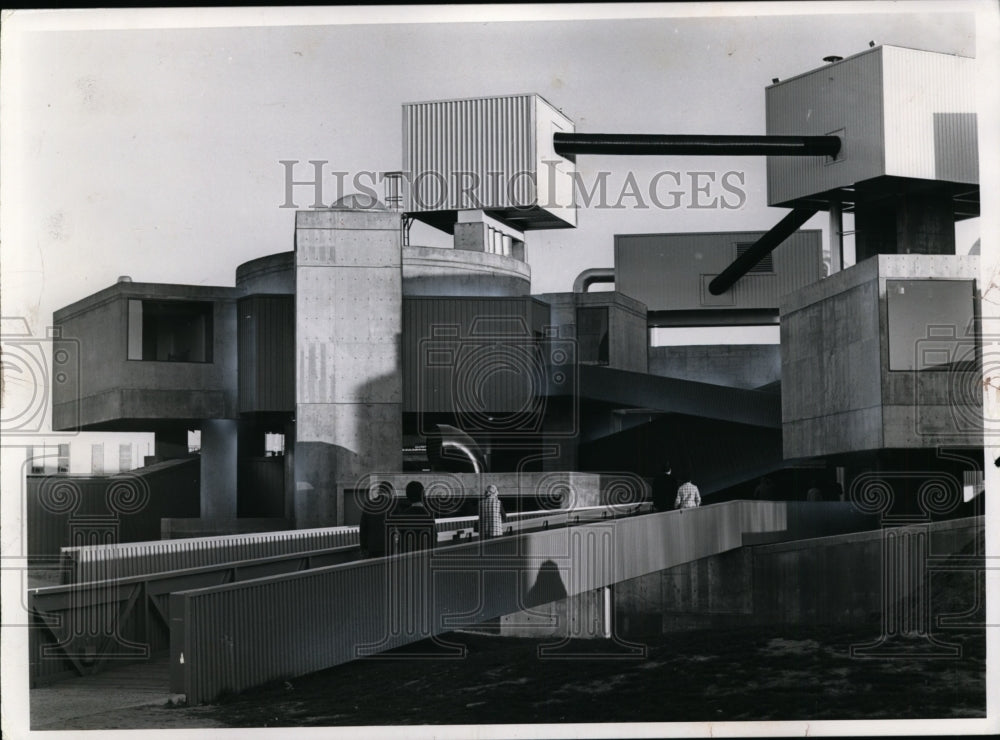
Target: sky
(155,153)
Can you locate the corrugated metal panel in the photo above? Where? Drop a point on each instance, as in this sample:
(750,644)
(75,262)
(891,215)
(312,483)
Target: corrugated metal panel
(485,153)
(329,616)
(266,353)
(469,354)
(844,99)
(490,138)
(930,115)
(125,619)
(672,271)
(101,562)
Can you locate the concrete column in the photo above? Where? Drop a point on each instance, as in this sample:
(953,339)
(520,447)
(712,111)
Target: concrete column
(920,222)
(218,468)
(836,237)
(348,308)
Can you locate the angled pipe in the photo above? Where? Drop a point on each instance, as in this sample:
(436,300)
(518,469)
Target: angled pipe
(760,249)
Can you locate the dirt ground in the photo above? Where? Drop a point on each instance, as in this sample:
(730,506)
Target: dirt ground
(700,676)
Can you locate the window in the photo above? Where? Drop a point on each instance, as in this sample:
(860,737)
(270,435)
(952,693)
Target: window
(931,324)
(765,265)
(592,335)
(274,444)
(170,331)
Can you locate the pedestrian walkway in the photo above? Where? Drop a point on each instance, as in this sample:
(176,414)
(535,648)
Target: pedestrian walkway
(123,687)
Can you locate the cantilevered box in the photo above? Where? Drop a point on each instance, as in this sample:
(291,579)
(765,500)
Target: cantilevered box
(902,115)
(491,154)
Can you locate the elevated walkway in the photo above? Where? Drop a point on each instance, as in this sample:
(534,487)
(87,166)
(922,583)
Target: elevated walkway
(228,627)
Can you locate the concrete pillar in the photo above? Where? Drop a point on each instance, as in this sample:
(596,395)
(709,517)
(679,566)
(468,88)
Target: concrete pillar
(920,222)
(836,237)
(348,309)
(218,468)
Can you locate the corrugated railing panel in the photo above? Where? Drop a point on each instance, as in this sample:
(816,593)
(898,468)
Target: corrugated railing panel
(78,627)
(336,614)
(102,562)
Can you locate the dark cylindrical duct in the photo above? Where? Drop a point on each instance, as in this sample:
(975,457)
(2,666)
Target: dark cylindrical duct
(760,249)
(647,144)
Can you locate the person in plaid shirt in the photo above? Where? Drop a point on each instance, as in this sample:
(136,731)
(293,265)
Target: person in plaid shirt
(491,514)
(688,496)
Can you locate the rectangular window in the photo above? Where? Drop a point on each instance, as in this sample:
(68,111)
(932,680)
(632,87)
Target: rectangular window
(931,324)
(592,335)
(765,265)
(170,331)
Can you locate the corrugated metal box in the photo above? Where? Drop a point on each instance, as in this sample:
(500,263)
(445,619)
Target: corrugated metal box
(899,112)
(671,272)
(493,154)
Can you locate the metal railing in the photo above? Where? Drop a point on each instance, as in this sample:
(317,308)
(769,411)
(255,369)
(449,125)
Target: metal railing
(123,560)
(81,628)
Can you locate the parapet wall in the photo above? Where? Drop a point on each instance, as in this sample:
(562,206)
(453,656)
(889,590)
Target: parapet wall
(828,581)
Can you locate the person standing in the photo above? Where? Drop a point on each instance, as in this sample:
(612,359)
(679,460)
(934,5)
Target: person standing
(378,503)
(412,527)
(688,495)
(491,514)
(664,489)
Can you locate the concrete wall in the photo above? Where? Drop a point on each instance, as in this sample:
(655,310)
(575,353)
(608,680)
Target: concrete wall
(830,373)
(736,365)
(274,273)
(105,388)
(838,391)
(348,308)
(825,581)
(931,407)
(627,333)
(431,271)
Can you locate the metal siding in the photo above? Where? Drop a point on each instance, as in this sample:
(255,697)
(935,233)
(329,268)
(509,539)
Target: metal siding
(267,353)
(929,99)
(326,615)
(477,136)
(429,388)
(845,95)
(672,271)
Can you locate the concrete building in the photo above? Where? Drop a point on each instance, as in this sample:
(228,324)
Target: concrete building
(357,346)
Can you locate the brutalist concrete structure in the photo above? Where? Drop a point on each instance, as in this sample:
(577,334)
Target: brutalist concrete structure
(360,347)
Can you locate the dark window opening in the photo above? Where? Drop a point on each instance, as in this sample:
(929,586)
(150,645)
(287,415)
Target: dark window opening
(170,331)
(592,335)
(765,265)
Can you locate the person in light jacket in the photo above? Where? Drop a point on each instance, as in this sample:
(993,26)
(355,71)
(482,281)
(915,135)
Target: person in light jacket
(688,495)
(491,514)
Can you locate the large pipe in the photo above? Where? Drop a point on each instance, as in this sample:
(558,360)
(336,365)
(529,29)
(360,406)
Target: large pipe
(785,146)
(760,249)
(593,275)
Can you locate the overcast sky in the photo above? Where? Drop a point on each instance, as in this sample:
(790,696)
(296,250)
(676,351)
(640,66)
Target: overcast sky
(155,153)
